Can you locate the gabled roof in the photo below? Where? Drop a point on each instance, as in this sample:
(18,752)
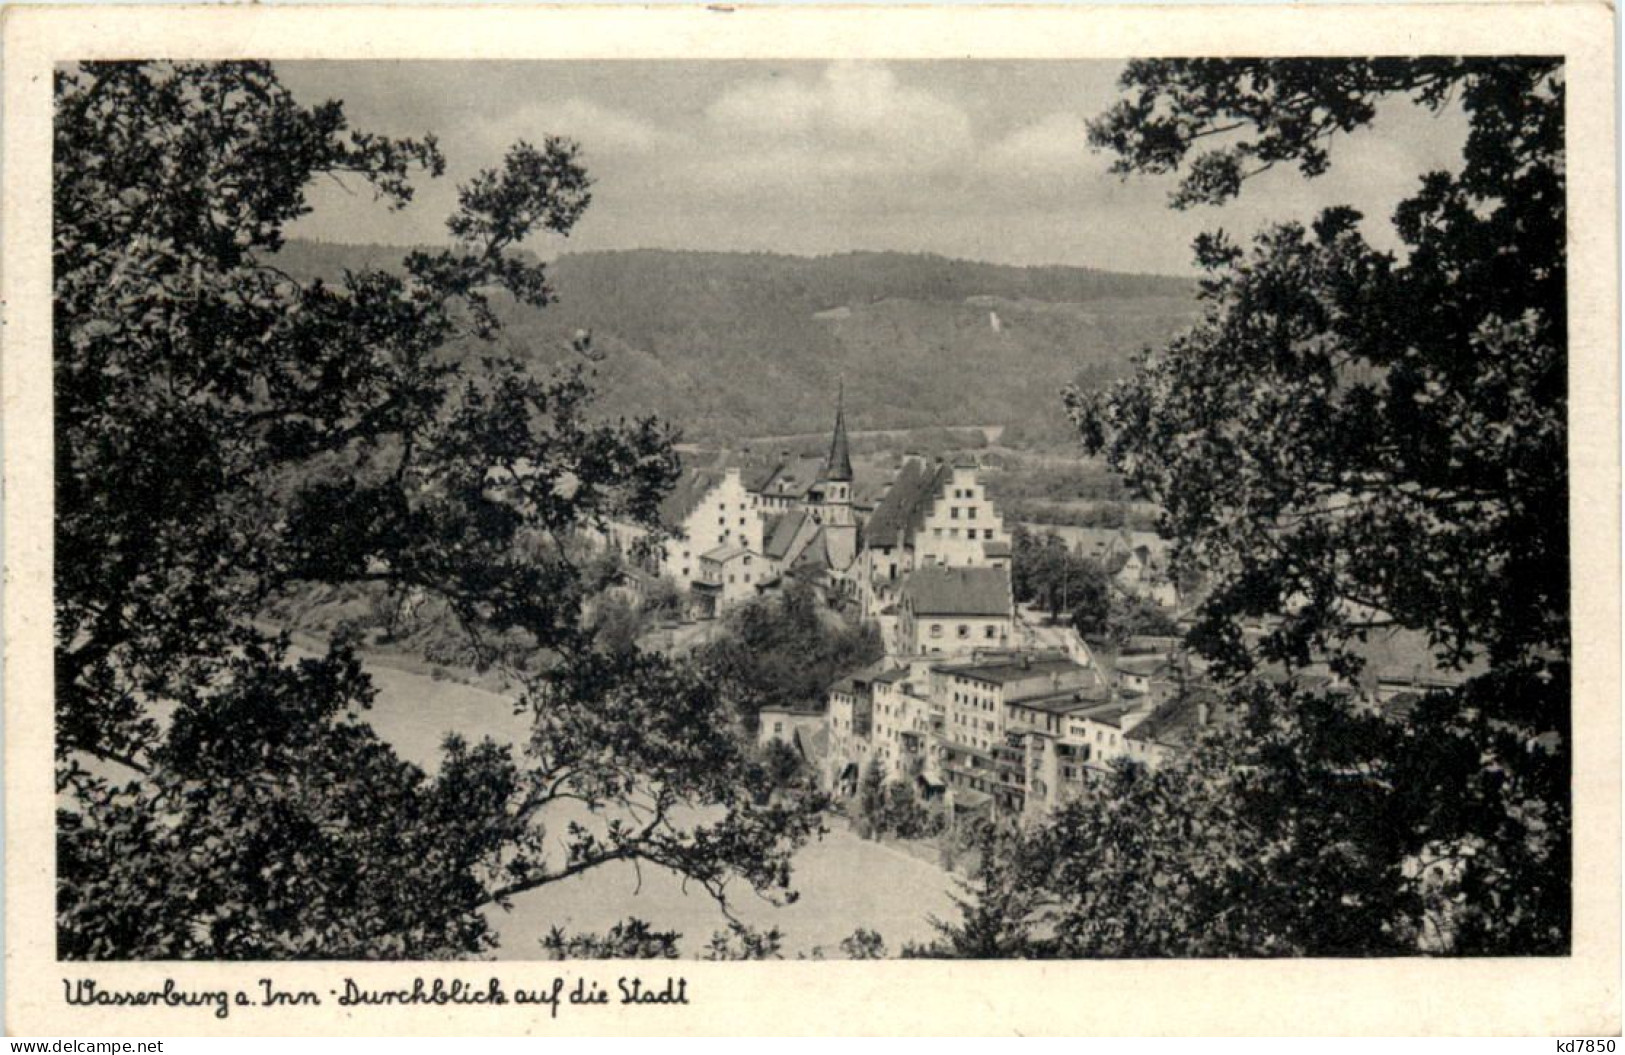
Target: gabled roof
(813,560)
(959,591)
(726,553)
(686,495)
(902,512)
(781,532)
(813,746)
(788,477)
(1176,721)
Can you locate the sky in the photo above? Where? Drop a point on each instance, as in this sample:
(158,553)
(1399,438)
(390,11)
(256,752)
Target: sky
(983,160)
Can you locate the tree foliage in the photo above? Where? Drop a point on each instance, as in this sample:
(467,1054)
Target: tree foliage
(1306,829)
(227,433)
(785,651)
(1349,441)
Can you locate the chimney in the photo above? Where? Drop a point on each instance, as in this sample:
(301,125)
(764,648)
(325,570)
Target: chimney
(1202,712)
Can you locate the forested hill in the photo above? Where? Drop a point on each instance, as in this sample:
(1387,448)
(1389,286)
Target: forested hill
(739,344)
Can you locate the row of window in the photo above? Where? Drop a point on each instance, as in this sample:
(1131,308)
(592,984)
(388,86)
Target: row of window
(970,533)
(989,631)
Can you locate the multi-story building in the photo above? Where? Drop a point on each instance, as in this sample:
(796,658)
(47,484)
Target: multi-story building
(932,515)
(905,723)
(961,528)
(730,574)
(850,721)
(954,611)
(977,697)
(706,512)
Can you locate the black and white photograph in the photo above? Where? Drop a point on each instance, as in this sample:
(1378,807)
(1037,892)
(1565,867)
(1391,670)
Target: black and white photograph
(811,509)
(848,509)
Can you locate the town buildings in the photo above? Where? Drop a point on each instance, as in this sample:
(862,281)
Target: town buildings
(944,610)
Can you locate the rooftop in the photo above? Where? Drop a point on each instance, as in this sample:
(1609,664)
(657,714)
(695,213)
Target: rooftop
(1068,701)
(781,531)
(787,476)
(902,512)
(724,554)
(959,591)
(686,494)
(1176,721)
(1004,671)
(838,466)
(1142,666)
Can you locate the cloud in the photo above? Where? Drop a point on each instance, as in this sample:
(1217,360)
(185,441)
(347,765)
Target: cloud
(859,112)
(600,130)
(1055,144)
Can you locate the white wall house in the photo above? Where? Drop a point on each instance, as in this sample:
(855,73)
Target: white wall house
(955,611)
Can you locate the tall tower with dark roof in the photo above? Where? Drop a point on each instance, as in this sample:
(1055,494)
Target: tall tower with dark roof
(838,466)
(835,493)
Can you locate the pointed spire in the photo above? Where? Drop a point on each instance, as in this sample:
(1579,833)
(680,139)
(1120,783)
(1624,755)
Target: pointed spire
(838,466)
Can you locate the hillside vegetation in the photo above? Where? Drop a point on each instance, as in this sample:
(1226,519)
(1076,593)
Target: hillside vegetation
(736,344)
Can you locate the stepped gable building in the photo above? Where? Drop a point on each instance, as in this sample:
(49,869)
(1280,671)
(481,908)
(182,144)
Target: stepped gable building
(708,513)
(933,515)
(738,523)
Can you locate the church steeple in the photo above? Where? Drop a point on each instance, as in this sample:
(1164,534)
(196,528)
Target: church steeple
(838,466)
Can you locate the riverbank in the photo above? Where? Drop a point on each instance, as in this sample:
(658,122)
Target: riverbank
(844,883)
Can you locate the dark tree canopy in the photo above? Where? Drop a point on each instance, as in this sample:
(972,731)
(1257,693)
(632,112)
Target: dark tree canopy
(1349,441)
(786,651)
(226,434)
(1305,829)
(1352,439)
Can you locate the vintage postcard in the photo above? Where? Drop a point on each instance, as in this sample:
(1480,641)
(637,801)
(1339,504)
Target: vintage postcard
(589,520)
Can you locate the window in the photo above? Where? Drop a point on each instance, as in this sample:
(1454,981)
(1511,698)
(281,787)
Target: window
(747,560)
(953,532)
(730,578)
(953,514)
(970,514)
(987,533)
(747,576)
(987,631)
(936,630)
(964,630)
(778,727)
(936,532)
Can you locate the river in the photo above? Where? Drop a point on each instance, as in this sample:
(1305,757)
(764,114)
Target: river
(844,882)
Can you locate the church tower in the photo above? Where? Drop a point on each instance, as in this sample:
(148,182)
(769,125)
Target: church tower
(835,493)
